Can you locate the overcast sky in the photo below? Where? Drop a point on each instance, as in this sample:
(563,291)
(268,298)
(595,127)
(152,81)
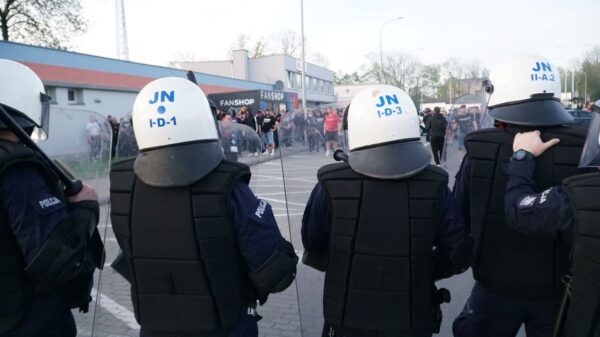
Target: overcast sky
(346,31)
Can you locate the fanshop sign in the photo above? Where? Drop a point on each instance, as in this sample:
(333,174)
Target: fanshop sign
(252,99)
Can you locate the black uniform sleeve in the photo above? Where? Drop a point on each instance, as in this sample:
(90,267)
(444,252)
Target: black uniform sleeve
(31,209)
(453,247)
(461,192)
(55,238)
(546,213)
(271,260)
(315,229)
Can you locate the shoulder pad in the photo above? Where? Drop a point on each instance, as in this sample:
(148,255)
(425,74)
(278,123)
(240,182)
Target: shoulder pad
(587,179)
(240,170)
(123,165)
(492,135)
(433,172)
(336,168)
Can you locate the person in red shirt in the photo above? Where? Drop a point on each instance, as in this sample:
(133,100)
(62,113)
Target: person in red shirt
(330,128)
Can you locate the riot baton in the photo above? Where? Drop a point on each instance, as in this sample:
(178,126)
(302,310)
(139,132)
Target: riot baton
(564,307)
(72,186)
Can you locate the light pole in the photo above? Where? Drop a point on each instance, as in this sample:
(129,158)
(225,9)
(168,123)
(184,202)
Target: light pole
(381,47)
(303,60)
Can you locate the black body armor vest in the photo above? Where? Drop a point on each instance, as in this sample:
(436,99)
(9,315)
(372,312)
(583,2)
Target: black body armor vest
(507,262)
(180,244)
(379,277)
(583,318)
(16,287)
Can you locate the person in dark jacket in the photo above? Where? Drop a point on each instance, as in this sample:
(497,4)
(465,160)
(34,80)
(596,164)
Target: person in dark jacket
(436,130)
(45,267)
(382,225)
(565,211)
(203,248)
(518,277)
(246,118)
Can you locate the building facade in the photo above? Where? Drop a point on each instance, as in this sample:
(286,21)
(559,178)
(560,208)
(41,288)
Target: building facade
(282,71)
(104,85)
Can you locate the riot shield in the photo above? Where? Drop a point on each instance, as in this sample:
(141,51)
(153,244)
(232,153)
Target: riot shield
(300,163)
(466,114)
(80,142)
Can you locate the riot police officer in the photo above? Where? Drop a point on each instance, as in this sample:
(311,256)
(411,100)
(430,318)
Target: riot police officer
(518,277)
(383,224)
(45,265)
(569,210)
(202,247)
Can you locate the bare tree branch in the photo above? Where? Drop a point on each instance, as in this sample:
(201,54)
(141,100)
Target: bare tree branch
(49,23)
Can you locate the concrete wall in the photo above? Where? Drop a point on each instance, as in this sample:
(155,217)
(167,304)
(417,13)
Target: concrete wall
(240,64)
(104,102)
(267,69)
(219,68)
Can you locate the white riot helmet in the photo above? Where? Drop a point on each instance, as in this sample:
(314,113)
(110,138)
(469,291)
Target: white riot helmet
(526,91)
(176,133)
(22,95)
(383,134)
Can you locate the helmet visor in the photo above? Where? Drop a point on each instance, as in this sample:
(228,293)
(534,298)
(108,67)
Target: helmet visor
(41,131)
(590,156)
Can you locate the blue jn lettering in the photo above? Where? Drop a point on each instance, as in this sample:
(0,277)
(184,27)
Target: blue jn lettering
(543,66)
(164,96)
(387,100)
(161,122)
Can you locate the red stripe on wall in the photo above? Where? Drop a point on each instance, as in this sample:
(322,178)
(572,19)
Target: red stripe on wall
(99,79)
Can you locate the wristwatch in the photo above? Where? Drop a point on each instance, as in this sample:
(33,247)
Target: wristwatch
(521,154)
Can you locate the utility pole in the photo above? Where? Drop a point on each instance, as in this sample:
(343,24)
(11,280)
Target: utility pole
(381,47)
(303,60)
(122,44)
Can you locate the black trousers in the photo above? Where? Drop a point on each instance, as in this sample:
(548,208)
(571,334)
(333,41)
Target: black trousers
(437,147)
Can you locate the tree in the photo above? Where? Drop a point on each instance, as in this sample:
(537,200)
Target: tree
(399,69)
(289,43)
(591,67)
(258,49)
(431,76)
(48,23)
(341,78)
(243,41)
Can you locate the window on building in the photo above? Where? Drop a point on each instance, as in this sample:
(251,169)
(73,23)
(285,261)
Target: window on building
(313,84)
(320,86)
(291,80)
(298,81)
(75,96)
(51,91)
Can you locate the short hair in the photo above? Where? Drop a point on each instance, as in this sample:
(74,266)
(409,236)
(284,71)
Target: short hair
(436,109)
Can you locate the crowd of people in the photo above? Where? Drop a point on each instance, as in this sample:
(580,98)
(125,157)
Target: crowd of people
(319,129)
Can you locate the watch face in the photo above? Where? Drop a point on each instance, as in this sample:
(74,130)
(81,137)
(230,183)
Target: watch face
(519,155)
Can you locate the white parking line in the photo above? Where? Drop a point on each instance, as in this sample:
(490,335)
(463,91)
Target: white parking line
(117,310)
(291,214)
(283,201)
(277,193)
